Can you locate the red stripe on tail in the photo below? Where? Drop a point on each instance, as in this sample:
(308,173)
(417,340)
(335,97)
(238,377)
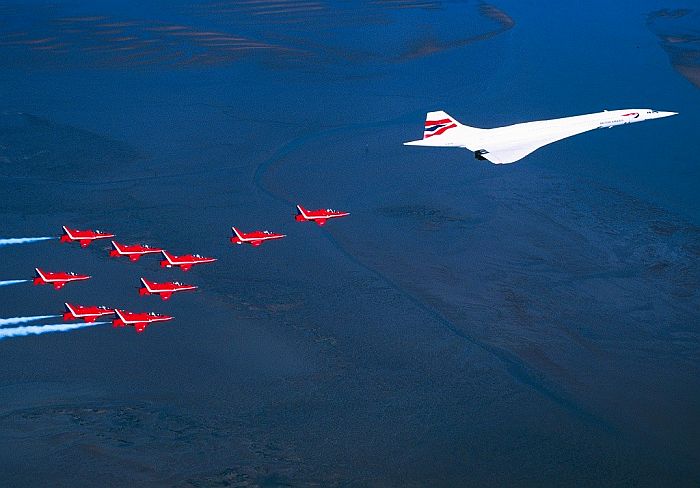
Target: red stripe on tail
(440,131)
(435,122)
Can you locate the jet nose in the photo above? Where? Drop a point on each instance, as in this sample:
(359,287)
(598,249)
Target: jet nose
(665,114)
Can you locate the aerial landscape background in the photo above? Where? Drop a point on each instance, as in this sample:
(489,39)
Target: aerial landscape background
(468,324)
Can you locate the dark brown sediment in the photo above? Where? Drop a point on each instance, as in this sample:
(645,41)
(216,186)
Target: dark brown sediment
(677,33)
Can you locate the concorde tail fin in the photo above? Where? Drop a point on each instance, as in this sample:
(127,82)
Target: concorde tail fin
(442,130)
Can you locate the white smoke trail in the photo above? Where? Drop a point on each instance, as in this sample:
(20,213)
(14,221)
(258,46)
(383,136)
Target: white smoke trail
(11,282)
(23,240)
(24,320)
(43,329)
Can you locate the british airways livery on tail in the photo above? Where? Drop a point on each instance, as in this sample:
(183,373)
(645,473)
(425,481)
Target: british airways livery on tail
(503,145)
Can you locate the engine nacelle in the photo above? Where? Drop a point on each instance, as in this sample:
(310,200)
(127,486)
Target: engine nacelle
(480,154)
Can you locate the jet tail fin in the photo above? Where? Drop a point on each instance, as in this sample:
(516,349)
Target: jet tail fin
(238,234)
(437,123)
(442,130)
(302,211)
(117,247)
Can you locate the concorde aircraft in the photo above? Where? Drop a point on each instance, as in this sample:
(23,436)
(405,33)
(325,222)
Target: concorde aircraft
(503,145)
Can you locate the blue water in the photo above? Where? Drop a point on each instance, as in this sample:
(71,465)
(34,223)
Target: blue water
(468,324)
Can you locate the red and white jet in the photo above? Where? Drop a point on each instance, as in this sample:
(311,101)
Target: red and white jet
(58,280)
(134,251)
(254,238)
(139,320)
(88,314)
(84,237)
(185,261)
(165,290)
(319,216)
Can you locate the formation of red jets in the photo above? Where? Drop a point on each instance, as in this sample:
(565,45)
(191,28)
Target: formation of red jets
(134,252)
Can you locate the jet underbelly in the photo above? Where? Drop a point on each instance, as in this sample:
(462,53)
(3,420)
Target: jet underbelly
(510,144)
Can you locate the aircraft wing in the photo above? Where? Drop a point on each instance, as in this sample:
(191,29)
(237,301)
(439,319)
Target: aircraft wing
(508,155)
(510,144)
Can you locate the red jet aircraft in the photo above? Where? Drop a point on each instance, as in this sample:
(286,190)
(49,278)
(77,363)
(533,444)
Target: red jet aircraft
(139,320)
(58,280)
(84,237)
(165,290)
(185,262)
(88,314)
(254,238)
(319,216)
(134,252)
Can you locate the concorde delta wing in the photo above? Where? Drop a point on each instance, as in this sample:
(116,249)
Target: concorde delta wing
(507,145)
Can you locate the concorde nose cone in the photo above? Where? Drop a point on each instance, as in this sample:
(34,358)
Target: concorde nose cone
(666,114)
